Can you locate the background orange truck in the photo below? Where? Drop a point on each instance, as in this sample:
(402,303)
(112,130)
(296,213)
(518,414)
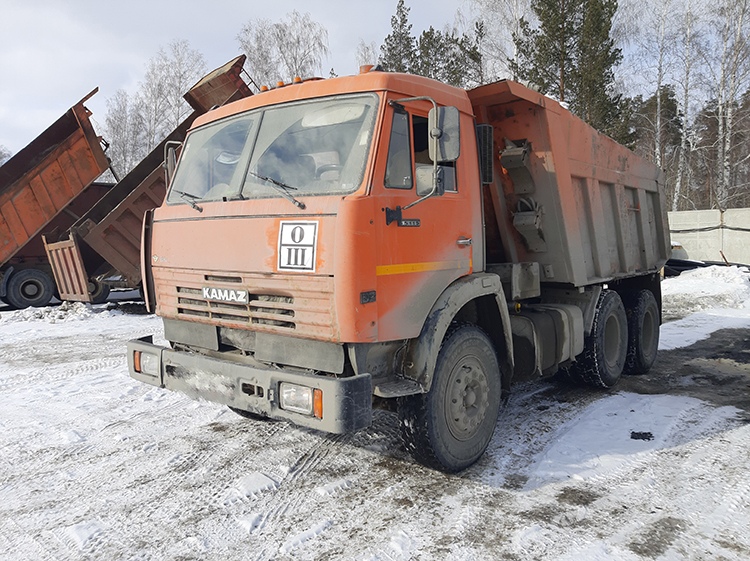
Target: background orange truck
(332,245)
(45,187)
(101,249)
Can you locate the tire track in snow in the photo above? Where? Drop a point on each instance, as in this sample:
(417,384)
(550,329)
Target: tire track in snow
(723,494)
(318,473)
(294,484)
(635,497)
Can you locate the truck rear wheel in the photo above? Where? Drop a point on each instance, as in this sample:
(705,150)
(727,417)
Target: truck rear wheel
(603,358)
(643,332)
(29,287)
(450,427)
(98,291)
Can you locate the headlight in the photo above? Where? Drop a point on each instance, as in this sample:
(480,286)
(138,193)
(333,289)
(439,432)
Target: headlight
(146,363)
(301,399)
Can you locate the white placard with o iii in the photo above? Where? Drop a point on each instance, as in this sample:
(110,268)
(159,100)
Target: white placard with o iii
(298,241)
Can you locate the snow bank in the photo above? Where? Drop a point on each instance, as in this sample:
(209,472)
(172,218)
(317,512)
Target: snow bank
(706,289)
(67,311)
(706,300)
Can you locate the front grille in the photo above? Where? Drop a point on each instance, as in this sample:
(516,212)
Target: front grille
(263,309)
(275,303)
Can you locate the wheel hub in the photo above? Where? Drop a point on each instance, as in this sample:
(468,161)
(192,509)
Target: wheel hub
(468,398)
(31,289)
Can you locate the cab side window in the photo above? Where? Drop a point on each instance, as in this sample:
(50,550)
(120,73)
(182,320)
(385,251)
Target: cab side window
(398,173)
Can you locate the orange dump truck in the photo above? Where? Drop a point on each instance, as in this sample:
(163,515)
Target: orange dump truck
(44,187)
(330,245)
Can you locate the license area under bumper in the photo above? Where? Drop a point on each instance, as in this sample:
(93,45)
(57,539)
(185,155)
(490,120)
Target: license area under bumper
(347,402)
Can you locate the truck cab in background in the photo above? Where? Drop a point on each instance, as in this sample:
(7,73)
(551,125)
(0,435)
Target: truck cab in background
(331,244)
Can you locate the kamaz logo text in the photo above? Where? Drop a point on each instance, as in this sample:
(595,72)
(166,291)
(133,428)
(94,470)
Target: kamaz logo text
(225,295)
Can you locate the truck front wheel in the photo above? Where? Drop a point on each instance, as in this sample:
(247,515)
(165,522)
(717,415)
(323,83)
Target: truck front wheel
(450,427)
(643,332)
(603,358)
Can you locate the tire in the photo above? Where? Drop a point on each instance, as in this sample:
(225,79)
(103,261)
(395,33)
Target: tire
(29,287)
(450,427)
(643,333)
(98,291)
(605,349)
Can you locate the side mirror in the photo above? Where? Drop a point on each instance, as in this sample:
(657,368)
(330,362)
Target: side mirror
(444,131)
(170,158)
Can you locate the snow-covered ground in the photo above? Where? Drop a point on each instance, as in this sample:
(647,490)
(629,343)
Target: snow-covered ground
(94,465)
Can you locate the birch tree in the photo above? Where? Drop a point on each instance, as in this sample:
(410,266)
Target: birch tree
(728,68)
(123,131)
(4,154)
(136,123)
(685,55)
(281,51)
(655,43)
(367,53)
(502,21)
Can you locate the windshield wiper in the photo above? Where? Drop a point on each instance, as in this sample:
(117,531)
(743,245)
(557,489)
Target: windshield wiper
(282,188)
(189,198)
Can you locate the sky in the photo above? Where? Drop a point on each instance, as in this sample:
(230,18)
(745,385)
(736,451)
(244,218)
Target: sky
(53,53)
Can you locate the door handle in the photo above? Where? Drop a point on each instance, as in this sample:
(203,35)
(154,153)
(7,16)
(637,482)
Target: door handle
(464,241)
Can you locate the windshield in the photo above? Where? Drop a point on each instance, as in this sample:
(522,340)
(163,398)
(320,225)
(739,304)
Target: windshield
(292,150)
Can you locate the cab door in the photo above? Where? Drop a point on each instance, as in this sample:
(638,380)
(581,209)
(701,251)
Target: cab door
(422,249)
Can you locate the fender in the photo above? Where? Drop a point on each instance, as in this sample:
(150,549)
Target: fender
(421,355)
(147,280)
(4,281)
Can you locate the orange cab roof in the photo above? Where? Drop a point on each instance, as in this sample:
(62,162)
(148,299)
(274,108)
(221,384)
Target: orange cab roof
(375,81)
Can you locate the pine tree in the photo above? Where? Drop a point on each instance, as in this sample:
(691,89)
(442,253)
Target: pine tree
(448,56)
(593,75)
(571,56)
(397,54)
(547,54)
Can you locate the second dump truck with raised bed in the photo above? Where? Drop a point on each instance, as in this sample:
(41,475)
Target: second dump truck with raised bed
(332,244)
(101,249)
(45,187)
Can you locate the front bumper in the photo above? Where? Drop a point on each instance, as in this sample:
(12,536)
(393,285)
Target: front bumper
(347,402)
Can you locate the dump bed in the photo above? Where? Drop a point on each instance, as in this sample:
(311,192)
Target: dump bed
(41,180)
(111,229)
(585,208)
(107,239)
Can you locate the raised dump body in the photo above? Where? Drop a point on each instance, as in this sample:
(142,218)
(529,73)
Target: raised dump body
(37,185)
(583,207)
(106,240)
(222,86)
